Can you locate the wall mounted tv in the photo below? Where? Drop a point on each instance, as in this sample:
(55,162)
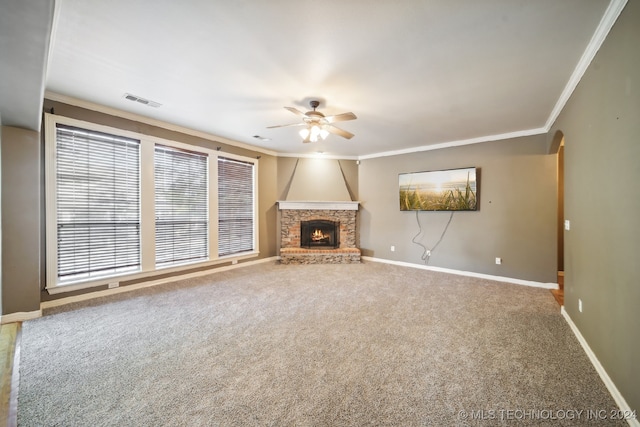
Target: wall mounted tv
(443,190)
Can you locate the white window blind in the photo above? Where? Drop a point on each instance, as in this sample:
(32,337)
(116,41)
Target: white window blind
(235,206)
(97,203)
(181,206)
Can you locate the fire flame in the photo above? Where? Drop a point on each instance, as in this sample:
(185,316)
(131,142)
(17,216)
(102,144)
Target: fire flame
(318,235)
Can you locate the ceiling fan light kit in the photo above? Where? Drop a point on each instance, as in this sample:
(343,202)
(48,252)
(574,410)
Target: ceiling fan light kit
(317,125)
(310,134)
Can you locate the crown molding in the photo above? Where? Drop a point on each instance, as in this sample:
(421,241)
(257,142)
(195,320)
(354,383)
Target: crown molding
(609,18)
(53,96)
(458,143)
(606,23)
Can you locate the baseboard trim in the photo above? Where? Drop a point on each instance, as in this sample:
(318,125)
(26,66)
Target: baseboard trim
(608,382)
(20,316)
(106,292)
(466,273)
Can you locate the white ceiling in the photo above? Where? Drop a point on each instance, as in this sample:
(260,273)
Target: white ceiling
(415,72)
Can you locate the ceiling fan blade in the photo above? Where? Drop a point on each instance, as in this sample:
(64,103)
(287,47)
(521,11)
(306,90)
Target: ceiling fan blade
(286,126)
(340,117)
(338,131)
(295,111)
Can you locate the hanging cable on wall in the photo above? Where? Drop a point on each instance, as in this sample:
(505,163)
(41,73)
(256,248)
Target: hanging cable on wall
(426,254)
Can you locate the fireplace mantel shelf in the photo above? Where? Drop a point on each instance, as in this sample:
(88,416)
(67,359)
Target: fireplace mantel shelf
(318,205)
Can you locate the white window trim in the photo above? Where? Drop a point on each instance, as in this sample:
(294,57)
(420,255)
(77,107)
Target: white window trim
(255,201)
(147,207)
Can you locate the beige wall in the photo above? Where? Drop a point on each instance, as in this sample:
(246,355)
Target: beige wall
(601,126)
(317,187)
(516,220)
(20,220)
(1,215)
(267,197)
(318,179)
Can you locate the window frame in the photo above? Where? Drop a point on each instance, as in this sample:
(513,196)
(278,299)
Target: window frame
(170,152)
(254,198)
(147,206)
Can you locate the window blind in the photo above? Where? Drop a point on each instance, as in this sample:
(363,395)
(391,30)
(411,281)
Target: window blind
(235,206)
(97,203)
(181,206)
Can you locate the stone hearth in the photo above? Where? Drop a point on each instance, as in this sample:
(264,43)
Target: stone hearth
(291,213)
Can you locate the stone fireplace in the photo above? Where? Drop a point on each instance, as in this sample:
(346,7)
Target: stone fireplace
(323,230)
(318,232)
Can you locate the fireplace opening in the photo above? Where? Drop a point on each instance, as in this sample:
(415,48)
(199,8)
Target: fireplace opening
(319,234)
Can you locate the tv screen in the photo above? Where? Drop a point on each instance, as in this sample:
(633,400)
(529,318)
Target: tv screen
(443,190)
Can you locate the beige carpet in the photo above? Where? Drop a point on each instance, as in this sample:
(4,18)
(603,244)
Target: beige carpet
(312,345)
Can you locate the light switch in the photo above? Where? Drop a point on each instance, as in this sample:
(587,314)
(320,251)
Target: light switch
(567,224)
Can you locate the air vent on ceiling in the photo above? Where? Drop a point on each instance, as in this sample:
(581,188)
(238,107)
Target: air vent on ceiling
(144,101)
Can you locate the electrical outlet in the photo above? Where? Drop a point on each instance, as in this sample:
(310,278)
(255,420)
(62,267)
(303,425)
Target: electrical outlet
(393,248)
(428,253)
(498,261)
(579,305)
(113,285)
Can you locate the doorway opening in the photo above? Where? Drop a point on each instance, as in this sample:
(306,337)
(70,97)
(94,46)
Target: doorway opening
(557,147)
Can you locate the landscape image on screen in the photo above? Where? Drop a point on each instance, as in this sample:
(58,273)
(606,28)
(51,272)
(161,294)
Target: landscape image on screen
(446,190)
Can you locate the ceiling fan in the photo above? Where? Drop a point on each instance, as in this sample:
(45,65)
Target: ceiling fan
(317,124)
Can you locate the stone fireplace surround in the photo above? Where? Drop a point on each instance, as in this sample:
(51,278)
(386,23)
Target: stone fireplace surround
(291,213)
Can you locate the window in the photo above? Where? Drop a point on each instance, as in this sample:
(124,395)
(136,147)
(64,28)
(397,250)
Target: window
(181,206)
(98,203)
(122,206)
(235,206)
